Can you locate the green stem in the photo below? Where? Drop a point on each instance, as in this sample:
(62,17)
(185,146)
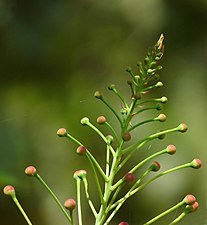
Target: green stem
(88,198)
(141,123)
(54,196)
(113,132)
(114,112)
(79,202)
(165,213)
(120,97)
(21,210)
(180,217)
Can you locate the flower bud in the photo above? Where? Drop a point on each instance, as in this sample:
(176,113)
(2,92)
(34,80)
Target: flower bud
(137,96)
(80,174)
(101,119)
(196,163)
(98,94)
(155,166)
(126,136)
(129,177)
(159,84)
(109,139)
(30,171)
(164,99)
(81,150)
(189,199)
(162,117)
(192,208)
(171,149)
(70,204)
(111,87)
(62,132)
(161,136)
(9,190)
(123,223)
(158,106)
(183,127)
(84,121)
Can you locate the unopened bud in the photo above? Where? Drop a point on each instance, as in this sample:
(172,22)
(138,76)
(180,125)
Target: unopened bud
(155,166)
(196,163)
(98,94)
(123,223)
(101,119)
(129,177)
(159,84)
(81,150)
(171,149)
(62,132)
(162,117)
(80,174)
(164,99)
(111,87)
(30,171)
(126,136)
(70,204)
(192,208)
(84,121)
(189,199)
(183,127)
(9,190)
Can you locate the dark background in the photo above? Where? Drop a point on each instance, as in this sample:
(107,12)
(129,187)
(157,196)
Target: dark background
(54,55)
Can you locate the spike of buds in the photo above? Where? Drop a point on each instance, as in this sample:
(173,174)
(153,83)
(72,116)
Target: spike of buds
(171,149)
(196,163)
(81,150)
(30,171)
(62,132)
(70,204)
(101,120)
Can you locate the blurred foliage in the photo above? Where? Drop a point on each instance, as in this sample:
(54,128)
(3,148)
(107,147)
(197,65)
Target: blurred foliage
(55,54)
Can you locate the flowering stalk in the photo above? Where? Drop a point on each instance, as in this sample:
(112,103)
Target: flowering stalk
(9,190)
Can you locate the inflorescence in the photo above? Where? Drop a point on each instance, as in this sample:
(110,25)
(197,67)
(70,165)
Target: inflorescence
(121,147)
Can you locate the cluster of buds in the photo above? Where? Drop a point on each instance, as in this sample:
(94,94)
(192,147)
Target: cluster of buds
(121,146)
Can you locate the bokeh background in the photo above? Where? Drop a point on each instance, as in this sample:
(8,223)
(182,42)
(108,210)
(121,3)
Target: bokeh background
(54,55)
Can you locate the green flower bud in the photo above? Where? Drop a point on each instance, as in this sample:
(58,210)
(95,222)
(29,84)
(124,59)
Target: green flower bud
(111,87)
(98,94)
(85,121)
(155,166)
(80,174)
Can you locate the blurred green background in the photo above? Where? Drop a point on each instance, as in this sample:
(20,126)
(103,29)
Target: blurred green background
(54,55)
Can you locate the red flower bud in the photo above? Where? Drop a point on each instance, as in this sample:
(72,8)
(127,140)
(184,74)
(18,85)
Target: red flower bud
(70,204)
(189,199)
(81,150)
(9,190)
(30,171)
(155,166)
(126,136)
(129,177)
(123,223)
(196,163)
